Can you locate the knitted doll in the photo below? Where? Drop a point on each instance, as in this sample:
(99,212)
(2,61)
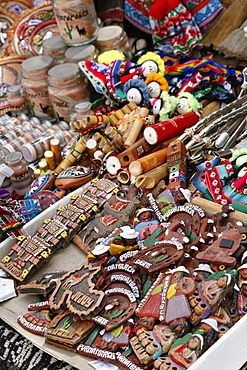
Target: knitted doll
(136,91)
(151,63)
(110,79)
(177,27)
(165,106)
(156,84)
(187,103)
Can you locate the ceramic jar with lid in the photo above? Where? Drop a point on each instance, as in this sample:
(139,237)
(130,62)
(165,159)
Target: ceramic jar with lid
(77,21)
(76,54)
(6,184)
(17,144)
(34,80)
(20,179)
(66,88)
(83,109)
(113,38)
(55,47)
(16,100)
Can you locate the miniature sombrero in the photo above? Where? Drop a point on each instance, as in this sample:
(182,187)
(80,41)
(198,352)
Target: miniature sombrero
(100,249)
(129,234)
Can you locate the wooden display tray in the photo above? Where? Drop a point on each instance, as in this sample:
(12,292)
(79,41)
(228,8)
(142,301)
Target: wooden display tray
(228,353)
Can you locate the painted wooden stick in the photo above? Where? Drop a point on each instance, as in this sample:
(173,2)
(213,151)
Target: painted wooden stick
(175,126)
(125,129)
(148,162)
(151,178)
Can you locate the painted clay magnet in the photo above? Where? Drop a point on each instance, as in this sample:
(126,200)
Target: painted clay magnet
(68,328)
(75,291)
(42,285)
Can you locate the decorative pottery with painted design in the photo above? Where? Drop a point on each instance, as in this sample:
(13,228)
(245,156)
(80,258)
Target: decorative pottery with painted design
(31,29)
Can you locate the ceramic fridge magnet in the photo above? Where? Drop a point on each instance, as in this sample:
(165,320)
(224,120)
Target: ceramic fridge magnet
(159,256)
(121,284)
(149,344)
(76,291)
(97,347)
(42,285)
(42,304)
(68,329)
(10,74)
(119,273)
(6,21)
(223,221)
(191,215)
(31,29)
(216,287)
(183,353)
(119,307)
(26,255)
(35,322)
(167,300)
(115,214)
(222,250)
(108,342)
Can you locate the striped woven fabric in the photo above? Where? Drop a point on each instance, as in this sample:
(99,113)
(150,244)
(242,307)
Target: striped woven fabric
(18,353)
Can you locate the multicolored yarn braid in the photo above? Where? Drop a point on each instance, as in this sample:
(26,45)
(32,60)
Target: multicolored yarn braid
(217,72)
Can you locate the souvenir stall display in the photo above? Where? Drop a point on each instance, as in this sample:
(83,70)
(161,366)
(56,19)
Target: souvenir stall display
(123,186)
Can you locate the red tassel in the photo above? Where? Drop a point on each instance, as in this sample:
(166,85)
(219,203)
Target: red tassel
(126,78)
(238,184)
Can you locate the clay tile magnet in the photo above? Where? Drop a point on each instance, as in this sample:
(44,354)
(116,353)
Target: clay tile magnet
(68,328)
(75,291)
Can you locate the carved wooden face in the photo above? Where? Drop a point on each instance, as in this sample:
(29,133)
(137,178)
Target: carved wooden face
(194,342)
